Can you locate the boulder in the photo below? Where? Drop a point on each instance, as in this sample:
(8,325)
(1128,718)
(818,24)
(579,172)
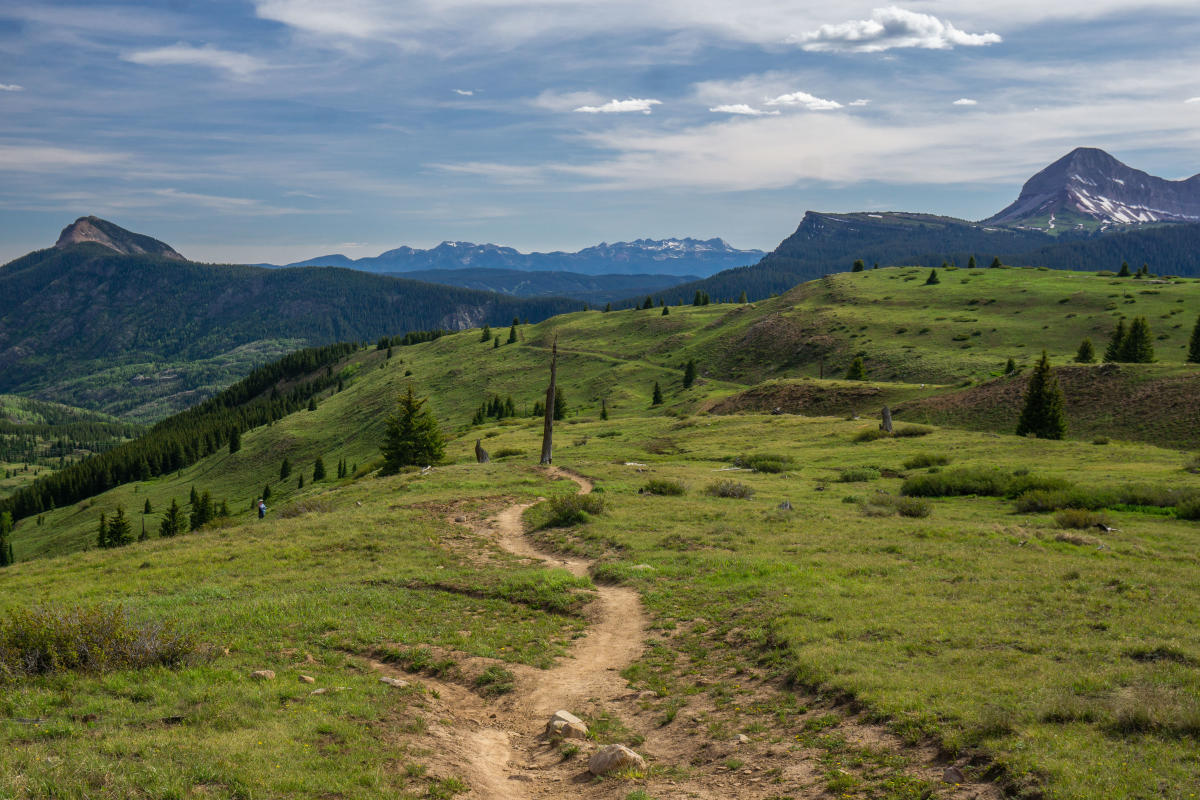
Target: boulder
(953,774)
(612,758)
(395,683)
(263,675)
(307,679)
(566,725)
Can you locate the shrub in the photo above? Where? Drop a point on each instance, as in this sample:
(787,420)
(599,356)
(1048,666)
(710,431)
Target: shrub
(884,505)
(926,460)
(913,507)
(870,435)
(728,488)
(556,591)
(959,482)
(506,452)
(1188,508)
(908,431)
(1079,519)
(663,487)
(857,474)
(495,680)
(764,462)
(574,509)
(43,640)
(1193,465)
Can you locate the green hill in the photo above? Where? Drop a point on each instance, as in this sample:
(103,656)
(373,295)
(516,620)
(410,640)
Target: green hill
(1025,644)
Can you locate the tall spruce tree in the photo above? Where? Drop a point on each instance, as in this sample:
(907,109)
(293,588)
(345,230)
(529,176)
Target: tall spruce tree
(285,469)
(173,521)
(202,511)
(1086,353)
(689,374)
(6,526)
(102,532)
(933,278)
(146,509)
(856,372)
(560,404)
(1137,347)
(657,399)
(486,335)
(235,440)
(603,408)
(666,310)
(1116,343)
(1194,346)
(1124,273)
(996,262)
(412,437)
(1043,415)
(318,470)
(120,532)
(512,333)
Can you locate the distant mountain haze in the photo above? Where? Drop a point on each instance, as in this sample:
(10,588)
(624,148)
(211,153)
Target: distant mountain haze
(683,257)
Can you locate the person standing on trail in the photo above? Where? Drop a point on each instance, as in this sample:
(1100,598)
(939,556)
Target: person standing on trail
(262,508)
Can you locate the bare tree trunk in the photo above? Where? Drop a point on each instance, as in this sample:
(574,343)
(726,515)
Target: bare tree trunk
(886,425)
(548,429)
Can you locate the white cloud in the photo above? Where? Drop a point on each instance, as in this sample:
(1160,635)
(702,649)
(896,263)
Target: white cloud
(11,87)
(627,106)
(804,100)
(859,102)
(1192,100)
(238,65)
(889,28)
(965,101)
(465,92)
(743,110)
(42,158)
(552,100)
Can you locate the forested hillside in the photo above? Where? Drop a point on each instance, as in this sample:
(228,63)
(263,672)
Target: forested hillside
(76,310)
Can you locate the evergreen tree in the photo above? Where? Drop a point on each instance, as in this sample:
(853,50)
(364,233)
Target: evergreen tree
(560,404)
(1043,415)
(859,266)
(1137,347)
(6,526)
(996,262)
(666,310)
(657,399)
(193,497)
(649,303)
(202,511)
(486,335)
(412,437)
(318,470)
(857,371)
(742,298)
(235,440)
(512,333)
(971,262)
(603,408)
(689,374)
(1086,353)
(933,278)
(1116,344)
(172,522)
(102,532)
(607,307)
(285,469)
(146,508)
(496,343)
(1124,273)
(1010,367)
(312,403)
(266,492)
(120,533)
(143,536)
(1194,345)
(300,482)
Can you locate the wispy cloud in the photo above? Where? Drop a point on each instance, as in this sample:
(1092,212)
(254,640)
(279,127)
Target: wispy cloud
(965,101)
(1192,100)
(11,87)
(859,102)
(237,65)
(890,28)
(43,158)
(465,92)
(804,100)
(743,110)
(632,105)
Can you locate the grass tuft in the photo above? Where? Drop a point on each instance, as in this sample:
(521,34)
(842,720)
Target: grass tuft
(664,487)
(729,488)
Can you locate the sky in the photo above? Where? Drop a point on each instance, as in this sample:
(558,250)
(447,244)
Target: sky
(277,130)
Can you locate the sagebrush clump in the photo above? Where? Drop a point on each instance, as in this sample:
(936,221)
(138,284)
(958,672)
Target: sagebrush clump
(663,486)
(728,488)
(574,509)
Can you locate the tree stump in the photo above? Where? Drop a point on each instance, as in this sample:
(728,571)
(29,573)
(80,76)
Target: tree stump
(886,425)
(481,455)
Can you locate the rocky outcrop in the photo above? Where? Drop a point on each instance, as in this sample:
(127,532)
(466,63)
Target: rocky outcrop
(114,237)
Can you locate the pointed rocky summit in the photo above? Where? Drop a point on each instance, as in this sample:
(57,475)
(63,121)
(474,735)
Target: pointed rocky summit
(114,237)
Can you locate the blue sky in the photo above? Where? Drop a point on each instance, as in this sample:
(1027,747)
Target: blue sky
(273,130)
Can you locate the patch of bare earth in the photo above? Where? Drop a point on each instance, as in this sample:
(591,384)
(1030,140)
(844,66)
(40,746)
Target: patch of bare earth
(498,747)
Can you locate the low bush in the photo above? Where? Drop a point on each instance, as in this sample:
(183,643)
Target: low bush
(858,474)
(664,487)
(908,431)
(870,435)
(921,460)
(885,505)
(917,507)
(728,488)
(507,452)
(1193,465)
(495,680)
(1189,508)
(954,483)
(764,462)
(573,509)
(43,640)
(1079,519)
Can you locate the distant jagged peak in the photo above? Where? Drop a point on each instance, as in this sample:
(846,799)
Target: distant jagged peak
(102,232)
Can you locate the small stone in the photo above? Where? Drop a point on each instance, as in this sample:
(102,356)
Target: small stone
(460,519)
(395,683)
(263,675)
(307,679)
(612,758)
(953,775)
(643,567)
(566,725)
(786,505)
(318,691)
(742,739)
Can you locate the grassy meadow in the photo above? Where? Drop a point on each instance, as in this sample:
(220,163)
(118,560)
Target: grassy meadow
(1062,659)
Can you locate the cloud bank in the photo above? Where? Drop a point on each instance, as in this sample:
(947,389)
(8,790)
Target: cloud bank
(631,105)
(889,28)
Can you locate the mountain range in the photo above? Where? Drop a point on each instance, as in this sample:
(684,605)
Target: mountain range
(681,257)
